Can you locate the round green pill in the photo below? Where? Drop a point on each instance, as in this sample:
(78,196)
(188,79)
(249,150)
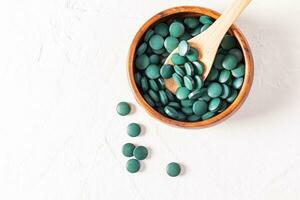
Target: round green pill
(154,59)
(187,110)
(148,35)
(153,85)
(226,91)
(239,71)
(127,149)
(137,78)
(189,69)
(214,90)
(142,49)
(198,82)
(133,165)
(193,118)
(230,62)
(196,31)
(203,28)
(195,94)
(192,55)
(187,102)
(218,61)
(222,107)
(171,43)
(123,108)
(182,93)
(140,152)
(208,115)
(162,29)
(205,19)
(237,53)
(183,47)
(153,95)
(159,51)
(213,74)
(142,62)
(156,42)
(178,59)
(133,129)
(237,83)
(144,84)
(199,67)
(173,169)
(228,42)
(179,70)
(191,22)
(170,96)
(163,97)
(152,71)
(166,71)
(176,29)
(189,82)
(224,76)
(175,105)
(214,104)
(149,100)
(178,79)
(171,112)
(232,96)
(161,83)
(200,107)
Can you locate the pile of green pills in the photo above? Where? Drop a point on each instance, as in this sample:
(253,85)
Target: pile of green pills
(195,99)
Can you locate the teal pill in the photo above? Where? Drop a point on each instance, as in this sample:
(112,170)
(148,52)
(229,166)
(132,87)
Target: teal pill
(149,100)
(154,96)
(181,116)
(205,19)
(228,42)
(171,43)
(162,29)
(224,76)
(222,107)
(232,96)
(198,82)
(239,71)
(237,83)
(214,104)
(199,67)
(153,85)
(142,62)
(133,165)
(206,26)
(179,70)
(156,42)
(189,82)
(166,71)
(196,31)
(175,105)
(237,53)
(137,78)
(178,79)
(213,75)
(183,48)
(176,29)
(195,94)
(186,36)
(200,107)
(142,49)
(163,97)
(214,90)
(218,61)
(160,51)
(226,91)
(144,84)
(189,69)
(133,129)
(140,152)
(187,103)
(191,22)
(208,115)
(178,59)
(230,62)
(154,59)
(187,110)
(192,55)
(193,118)
(204,96)
(170,96)
(171,112)
(148,35)
(161,83)
(127,149)
(152,71)
(123,108)
(173,169)
(182,93)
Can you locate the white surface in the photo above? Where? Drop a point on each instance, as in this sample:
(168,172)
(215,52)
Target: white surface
(63,71)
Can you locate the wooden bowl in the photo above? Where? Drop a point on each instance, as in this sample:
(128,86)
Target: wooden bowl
(179,12)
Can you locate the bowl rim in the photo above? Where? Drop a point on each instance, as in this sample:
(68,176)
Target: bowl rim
(234,30)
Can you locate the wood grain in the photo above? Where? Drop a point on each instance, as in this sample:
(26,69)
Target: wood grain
(184,11)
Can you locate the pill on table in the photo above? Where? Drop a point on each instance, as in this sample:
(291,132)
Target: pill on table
(133,166)
(140,152)
(127,149)
(173,169)
(123,108)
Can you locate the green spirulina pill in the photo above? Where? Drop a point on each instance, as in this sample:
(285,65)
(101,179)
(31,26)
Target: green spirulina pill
(189,69)
(175,105)
(123,108)
(161,83)
(196,31)
(144,84)
(192,55)
(239,71)
(148,35)
(226,91)
(195,94)
(178,59)
(218,61)
(237,83)
(230,62)
(213,75)
(203,28)
(183,48)
(208,115)
(127,149)
(189,82)
(170,96)
(224,76)
(237,53)
(163,97)
(187,102)
(182,93)
(193,118)
(176,29)
(133,166)
(137,78)
(149,100)
(205,19)
(153,95)
(187,110)
(186,36)
(228,42)
(166,71)
(178,79)
(133,129)
(152,71)
(200,107)
(153,85)
(214,90)
(156,42)
(199,67)
(142,62)
(214,104)
(162,29)
(171,43)
(173,169)
(179,70)
(191,22)
(140,152)
(171,112)
(198,82)
(154,59)
(232,96)
(142,49)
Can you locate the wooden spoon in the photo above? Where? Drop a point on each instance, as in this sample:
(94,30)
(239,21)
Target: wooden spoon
(207,42)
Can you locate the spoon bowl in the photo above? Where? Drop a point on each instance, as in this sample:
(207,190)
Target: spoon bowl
(190,11)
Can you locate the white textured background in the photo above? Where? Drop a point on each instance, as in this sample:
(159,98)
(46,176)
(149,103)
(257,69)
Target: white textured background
(63,70)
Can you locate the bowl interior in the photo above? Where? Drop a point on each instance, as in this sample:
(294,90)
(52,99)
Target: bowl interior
(180,12)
